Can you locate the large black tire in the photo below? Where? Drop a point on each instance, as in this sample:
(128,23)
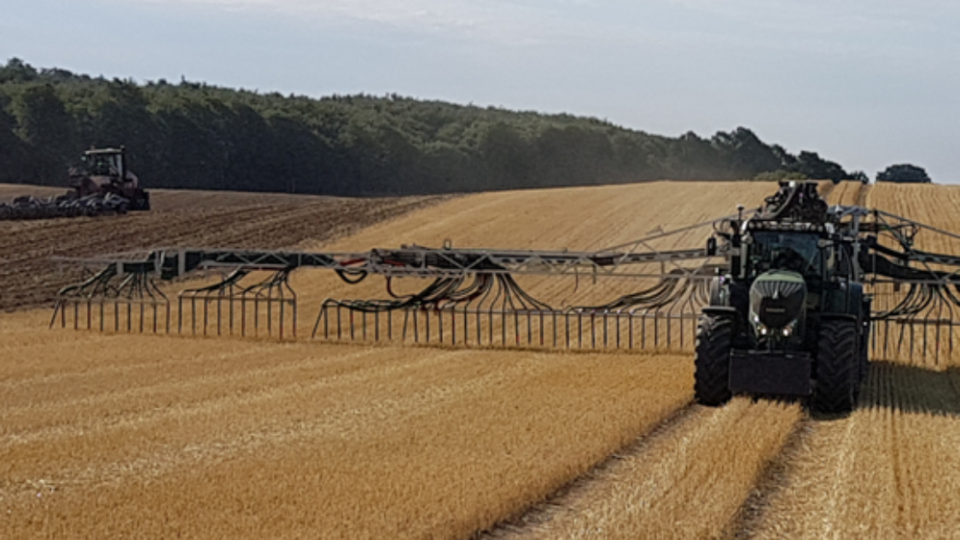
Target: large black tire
(838,361)
(712,362)
(141,201)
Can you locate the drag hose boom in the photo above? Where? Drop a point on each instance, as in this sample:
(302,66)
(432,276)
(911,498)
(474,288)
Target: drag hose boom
(857,272)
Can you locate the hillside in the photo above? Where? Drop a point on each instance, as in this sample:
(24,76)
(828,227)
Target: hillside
(196,136)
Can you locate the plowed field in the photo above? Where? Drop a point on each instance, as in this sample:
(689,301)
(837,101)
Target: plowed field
(117,435)
(178,219)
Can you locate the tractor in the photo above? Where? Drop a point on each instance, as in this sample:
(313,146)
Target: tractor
(788,316)
(102,186)
(105,172)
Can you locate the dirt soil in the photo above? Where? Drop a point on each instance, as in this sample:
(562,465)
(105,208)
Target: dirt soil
(29,278)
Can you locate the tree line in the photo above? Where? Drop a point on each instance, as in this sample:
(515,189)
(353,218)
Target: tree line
(196,136)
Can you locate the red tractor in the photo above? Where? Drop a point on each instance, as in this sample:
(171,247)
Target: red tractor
(102,186)
(105,173)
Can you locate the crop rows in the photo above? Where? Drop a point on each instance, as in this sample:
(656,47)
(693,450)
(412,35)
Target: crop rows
(229,438)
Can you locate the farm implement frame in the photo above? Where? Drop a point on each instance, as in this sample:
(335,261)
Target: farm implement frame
(473,297)
(467,285)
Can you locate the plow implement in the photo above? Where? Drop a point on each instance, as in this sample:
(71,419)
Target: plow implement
(481,297)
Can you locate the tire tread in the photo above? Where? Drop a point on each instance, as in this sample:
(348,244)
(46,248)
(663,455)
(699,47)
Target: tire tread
(712,361)
(837,367)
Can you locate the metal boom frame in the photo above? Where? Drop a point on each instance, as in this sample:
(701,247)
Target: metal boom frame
(476,287)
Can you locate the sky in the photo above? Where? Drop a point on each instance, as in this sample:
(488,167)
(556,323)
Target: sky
(864,83)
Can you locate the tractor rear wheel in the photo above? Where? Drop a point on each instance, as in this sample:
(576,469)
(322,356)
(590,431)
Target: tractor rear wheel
(711,377)
(837,370)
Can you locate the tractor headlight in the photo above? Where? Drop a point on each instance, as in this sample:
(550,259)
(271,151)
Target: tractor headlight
(790,328)
(764,330)
(761,328)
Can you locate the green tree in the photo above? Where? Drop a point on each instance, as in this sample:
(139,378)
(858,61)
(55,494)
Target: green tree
(13,151)
(195,135)
(48,130)
(745,154)
(119,116)
(692,157)
(295,161)
(860,176)
(17,70)
(780,174)
(904,173)
(506,155)
(813,166)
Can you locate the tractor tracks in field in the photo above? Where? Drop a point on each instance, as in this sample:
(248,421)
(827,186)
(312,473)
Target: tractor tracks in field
(541,512)
(863,195)
(771,481)
(888,470)
(700,473)
(845,193)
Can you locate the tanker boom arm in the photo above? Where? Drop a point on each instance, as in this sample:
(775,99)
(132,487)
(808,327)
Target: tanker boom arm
(624,260)
(877,261)
(427,261)
(880,261)
(883,262)
(406,261)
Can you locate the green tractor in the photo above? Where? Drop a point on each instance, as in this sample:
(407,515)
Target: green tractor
(788,316)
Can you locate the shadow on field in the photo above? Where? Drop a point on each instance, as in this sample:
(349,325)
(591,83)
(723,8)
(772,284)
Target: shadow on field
(912,389)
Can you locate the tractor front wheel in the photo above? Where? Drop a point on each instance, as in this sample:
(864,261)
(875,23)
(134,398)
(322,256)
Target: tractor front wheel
(712,375)
(837,368)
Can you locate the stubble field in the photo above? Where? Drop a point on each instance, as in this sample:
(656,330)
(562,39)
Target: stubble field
(115,435)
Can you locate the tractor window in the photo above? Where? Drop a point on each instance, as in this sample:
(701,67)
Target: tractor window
(98,165)
(798,252)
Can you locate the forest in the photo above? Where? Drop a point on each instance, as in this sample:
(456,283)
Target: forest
(191,135)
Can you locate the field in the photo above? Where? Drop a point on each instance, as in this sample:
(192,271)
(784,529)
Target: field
(119,435)
(178,219)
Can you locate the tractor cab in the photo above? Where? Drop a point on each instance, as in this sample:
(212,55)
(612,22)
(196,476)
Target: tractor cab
(799,252)
(105,165)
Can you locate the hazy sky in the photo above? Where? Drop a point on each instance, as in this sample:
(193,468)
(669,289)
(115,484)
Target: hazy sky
(865,83)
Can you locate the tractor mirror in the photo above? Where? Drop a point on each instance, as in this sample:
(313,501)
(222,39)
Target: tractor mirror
(711,246)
